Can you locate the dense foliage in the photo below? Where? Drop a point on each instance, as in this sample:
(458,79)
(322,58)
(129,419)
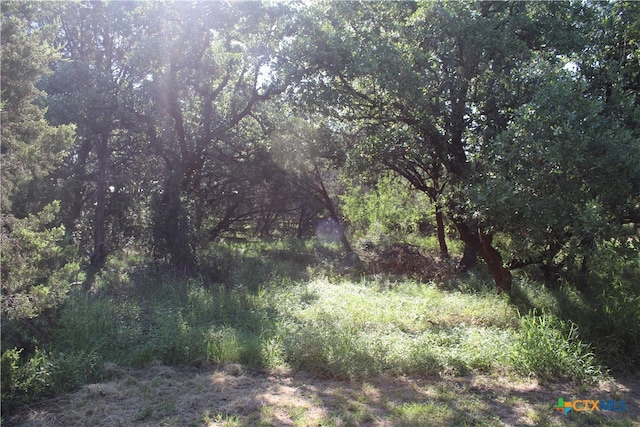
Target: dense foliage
(502,131)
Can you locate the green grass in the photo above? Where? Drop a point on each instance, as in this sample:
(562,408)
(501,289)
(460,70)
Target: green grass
(331,327)
(349,330)
(275,305)
(551,349)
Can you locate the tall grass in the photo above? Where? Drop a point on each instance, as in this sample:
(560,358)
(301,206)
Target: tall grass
(345,329)
(279,306)
(551,349)
(605,305)
(176,323)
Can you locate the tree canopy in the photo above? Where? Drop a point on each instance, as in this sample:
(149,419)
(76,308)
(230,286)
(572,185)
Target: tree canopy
(170,125)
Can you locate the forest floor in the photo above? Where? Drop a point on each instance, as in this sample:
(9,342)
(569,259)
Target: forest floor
(231,395)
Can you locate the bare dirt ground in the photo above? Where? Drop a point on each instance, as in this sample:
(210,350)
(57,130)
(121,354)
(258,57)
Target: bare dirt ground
(233,396)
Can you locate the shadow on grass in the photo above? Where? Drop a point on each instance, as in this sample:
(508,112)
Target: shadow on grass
(251,264)
(230,395)
(603,314)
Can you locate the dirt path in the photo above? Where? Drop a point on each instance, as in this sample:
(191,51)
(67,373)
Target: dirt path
(231,396)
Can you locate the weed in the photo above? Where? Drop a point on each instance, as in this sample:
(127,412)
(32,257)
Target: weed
(605,305)
(222,346)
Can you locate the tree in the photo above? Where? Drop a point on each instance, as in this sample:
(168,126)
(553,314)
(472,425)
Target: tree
(393,147)
(386,204)
(87,89)
(199,75)
(31,148)
(563,177)
(36,261)
(560,179)
(610,62)
(312,155)
(450,72)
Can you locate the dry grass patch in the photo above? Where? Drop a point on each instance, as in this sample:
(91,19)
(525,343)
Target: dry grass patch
(231,395)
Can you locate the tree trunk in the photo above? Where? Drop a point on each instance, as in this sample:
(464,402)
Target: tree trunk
(325,199)
(225,223)
(333,214)
(77,188)
(99,255)
(344,240)
(481,243)
(300,231)
(469,258)
(442,242)
(173,224)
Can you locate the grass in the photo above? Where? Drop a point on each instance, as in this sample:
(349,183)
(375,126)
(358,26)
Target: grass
(276,307)
(210,396)
(333,327)
(551,349)
(351,330)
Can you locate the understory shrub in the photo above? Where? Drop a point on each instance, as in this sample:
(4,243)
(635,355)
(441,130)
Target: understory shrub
(22,381)
(44,373)
(614,292)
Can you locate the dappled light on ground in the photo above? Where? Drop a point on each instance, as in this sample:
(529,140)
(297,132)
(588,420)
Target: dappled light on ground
(231,395)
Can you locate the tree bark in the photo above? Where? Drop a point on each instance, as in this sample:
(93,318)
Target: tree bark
(482,244)
(325,199)
(333,214)
(442,242)
(99,255)
(469,258)
(300,230)
(77,188)
(173,227)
